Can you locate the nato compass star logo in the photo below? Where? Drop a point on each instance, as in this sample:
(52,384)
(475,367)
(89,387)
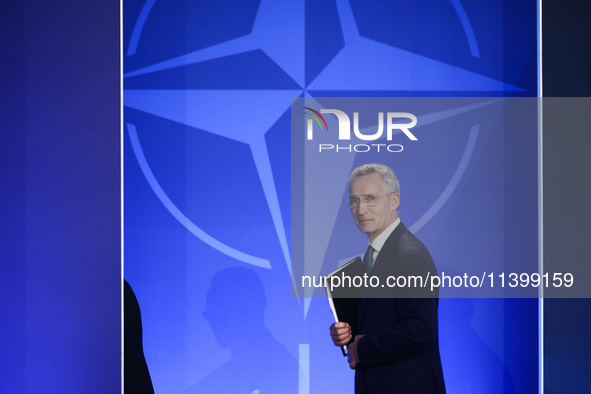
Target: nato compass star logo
(240,86)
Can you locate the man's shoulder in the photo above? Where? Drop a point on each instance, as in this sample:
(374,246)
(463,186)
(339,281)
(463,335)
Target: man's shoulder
(408,242)
(403,242)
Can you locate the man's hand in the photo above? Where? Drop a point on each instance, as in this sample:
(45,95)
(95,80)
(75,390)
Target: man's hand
(340,333)
(353,356)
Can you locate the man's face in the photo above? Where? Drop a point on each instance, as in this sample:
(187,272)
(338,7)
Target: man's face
(373,220)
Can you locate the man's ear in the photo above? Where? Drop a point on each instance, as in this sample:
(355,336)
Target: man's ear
(395,201)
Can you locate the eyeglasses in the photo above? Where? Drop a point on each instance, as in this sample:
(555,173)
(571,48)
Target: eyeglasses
(368,201)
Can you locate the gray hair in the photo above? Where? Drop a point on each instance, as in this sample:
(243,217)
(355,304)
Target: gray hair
(390,181)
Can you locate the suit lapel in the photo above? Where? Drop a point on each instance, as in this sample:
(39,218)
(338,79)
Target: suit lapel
(388,252)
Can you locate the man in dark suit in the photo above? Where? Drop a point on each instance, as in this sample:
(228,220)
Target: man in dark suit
(393,345)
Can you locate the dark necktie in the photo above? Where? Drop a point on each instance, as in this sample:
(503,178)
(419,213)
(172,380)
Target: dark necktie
(368,258)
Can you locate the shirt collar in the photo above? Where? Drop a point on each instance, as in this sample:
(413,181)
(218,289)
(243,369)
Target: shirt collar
(380,240)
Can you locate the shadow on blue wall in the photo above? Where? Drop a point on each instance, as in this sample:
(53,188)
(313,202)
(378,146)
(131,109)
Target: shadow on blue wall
(235,309)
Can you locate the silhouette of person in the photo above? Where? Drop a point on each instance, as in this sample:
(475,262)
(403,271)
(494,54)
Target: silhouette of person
(235,309)
(136,375)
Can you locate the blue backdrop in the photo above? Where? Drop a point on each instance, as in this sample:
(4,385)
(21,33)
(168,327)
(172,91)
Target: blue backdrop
(60,248)
(207,92)
(59,156)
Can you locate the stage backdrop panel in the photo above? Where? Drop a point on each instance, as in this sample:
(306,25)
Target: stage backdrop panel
(207,94)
